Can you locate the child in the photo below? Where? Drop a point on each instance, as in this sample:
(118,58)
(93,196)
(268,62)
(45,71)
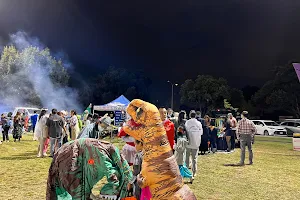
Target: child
(137,167)
(128,150)
(180,152)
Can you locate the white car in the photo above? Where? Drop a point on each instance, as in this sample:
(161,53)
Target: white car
(268,127)
(291,126)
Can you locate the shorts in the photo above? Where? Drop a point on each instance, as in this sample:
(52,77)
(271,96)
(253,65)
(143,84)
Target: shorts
(228,133)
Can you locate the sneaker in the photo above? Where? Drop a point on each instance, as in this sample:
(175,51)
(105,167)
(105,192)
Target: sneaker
(45,154)
(240,164)
(192,179)
(250,163)
(39,156)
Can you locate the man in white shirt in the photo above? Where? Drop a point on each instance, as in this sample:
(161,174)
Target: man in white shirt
(194,133)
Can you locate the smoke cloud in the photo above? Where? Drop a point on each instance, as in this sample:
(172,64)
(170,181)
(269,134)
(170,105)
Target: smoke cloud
(31,79)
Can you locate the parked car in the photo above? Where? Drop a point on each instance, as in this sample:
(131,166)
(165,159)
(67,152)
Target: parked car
(268,127)
(291,126)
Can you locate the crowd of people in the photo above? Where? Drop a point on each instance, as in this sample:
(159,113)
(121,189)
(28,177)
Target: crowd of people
(188,136)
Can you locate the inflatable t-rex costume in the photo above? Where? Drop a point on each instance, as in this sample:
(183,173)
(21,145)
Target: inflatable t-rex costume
(159,168)
(80,164)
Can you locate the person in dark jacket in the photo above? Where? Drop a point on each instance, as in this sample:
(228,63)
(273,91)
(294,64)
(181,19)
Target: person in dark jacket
(213,136)
(205,137)
(56,125)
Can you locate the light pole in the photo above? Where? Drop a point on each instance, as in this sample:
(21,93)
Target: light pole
(172,97)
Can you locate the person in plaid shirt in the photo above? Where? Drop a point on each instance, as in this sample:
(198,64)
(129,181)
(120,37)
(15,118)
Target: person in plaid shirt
(245,132)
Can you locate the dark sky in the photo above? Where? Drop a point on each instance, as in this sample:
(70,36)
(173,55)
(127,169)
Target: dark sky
(240,40)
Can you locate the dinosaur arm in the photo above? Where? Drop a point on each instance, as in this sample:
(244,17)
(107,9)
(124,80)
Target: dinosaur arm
(142,181)
(135,132)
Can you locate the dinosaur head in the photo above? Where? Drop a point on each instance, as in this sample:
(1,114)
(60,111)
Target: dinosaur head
(145,116)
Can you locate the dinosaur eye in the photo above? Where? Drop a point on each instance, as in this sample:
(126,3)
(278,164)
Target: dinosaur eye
(139,111)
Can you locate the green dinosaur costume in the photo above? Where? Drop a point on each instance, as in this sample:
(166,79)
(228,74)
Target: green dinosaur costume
(80,164)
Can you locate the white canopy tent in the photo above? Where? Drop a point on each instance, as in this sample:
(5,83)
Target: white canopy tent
(119,104)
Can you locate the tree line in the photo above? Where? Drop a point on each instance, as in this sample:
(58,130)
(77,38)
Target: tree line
(280,95)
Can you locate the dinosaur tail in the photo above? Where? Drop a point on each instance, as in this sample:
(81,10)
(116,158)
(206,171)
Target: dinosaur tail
(185,193)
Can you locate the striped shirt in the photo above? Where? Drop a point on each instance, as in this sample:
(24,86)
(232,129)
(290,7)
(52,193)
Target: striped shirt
(245,126)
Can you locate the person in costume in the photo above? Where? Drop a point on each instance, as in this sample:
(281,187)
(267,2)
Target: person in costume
(128,150)
(78,165)
(169,126)
(159,168)
(180,149)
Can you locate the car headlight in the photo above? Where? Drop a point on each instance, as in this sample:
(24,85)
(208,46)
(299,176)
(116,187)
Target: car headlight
(271,128)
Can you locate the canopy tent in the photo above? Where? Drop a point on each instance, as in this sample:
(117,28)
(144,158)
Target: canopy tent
(119,104)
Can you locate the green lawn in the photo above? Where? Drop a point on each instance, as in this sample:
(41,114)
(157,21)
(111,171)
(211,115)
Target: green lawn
(274,175)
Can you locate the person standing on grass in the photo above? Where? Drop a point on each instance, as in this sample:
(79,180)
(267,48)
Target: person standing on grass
(5,128)
(18,127)
(205,136)
(194,133)
(169,127)
(41,133)
(33,120)
(55,124)
(233,124)
(246,131)
(74,124)
(180,150)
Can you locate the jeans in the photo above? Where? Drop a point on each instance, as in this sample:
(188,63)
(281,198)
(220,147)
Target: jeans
(213,144)
(55,143)
(5,135)
(233,137)
(194,153)
(246,140)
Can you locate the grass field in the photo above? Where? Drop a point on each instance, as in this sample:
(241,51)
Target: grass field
(274,175)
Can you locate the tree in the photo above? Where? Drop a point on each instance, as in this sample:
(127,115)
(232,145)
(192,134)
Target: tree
(21,71)
(117,81)
(236,98)
(204,93)
(280,94)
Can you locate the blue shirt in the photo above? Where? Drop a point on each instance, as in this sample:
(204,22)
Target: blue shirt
(33,119)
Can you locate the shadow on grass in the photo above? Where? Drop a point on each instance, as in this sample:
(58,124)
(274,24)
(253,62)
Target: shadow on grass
(25,156)
(233,165)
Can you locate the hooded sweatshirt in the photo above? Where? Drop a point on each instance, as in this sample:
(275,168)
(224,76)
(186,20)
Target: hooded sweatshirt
(194,132)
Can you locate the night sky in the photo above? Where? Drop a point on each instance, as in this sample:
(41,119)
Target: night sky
(240,40)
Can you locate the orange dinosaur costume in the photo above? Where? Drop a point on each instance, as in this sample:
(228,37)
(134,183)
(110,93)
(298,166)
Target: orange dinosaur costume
(159,169)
